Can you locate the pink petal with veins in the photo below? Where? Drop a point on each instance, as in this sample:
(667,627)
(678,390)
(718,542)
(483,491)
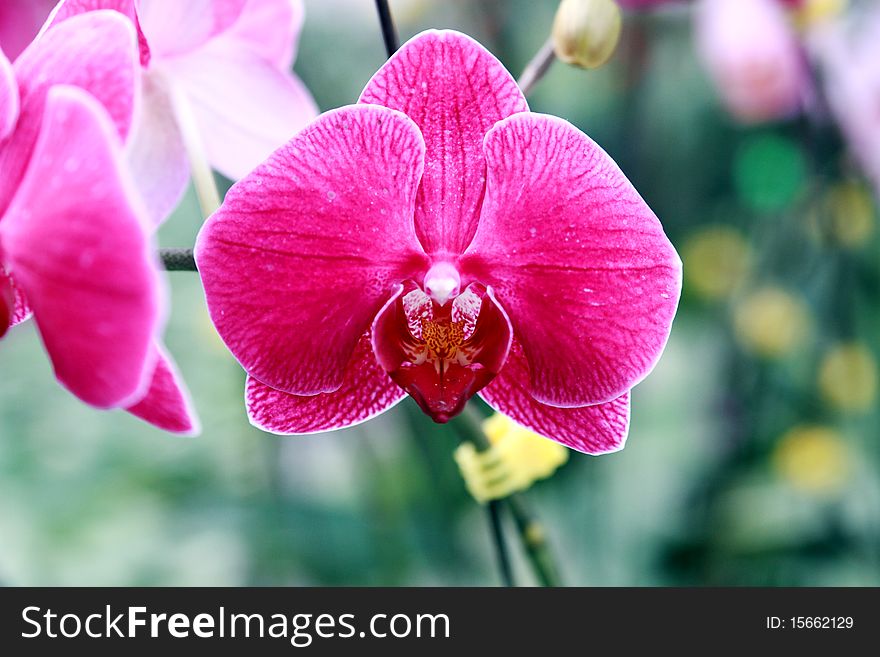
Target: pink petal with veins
(9,101)
(308,247)
(595,429)
(167,404)
(455,90)
(365,392)
(244,106)
(577,259)
(95,51)
(175,27)
(77,246)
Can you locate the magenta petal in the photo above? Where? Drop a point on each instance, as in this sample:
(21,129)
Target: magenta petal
(455,91)
(577,259)
(94,51)
(366,391)
(244,106)
(15,307)
(69,8)
(156,153)
(308,247)
(78,248)
(9,102)
(166,404)
(595,429)
(173,27)
(20,20)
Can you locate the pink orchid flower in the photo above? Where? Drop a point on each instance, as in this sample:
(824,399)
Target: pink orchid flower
(753,55)
(439,239)
(221,68)
(75,247)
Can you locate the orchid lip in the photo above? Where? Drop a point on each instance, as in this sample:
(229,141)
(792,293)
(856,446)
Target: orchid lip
(441,352)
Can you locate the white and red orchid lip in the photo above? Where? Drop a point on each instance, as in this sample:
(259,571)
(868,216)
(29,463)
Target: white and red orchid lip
(440,189)
(442,354)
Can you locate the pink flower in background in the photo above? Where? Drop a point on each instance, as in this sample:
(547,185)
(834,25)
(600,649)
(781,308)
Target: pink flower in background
(753,56)
(221,68)
(849,55)
(74,242)
(440,240)
(20,20)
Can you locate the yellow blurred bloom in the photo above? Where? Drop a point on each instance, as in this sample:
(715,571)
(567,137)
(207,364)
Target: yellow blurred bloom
(516,459)
(813,458)
(848,377)
(716,261)
(771,322)
(586,32)
(850,208)
(812,12)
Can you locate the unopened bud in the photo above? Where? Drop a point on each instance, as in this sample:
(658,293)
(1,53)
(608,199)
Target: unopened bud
(586,32)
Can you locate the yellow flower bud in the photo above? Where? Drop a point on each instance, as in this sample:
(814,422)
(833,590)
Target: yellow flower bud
(848,377)
(716,261)
(516,459)
(771,322)
(813,459)
(586,32)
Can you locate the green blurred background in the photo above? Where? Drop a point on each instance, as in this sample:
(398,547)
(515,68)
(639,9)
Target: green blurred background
(753,451)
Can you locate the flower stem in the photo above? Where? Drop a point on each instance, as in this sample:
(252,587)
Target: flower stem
(494,509)
(202,175)
(530,530)
(537,67)
(389,32)
(178,259)
(534,540)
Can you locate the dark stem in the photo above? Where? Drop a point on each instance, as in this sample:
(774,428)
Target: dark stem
(494,509)
(534,540)
(389,33)
(537,67)
(178,259)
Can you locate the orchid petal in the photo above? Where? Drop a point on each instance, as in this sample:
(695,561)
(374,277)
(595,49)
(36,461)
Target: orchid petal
(20,20)
(173,27)
(156,153)
(366,391)
(78,247)
(9,101)
(595,429)
(167,404)
(455,91)
(69,8)
(308,247)
(16,309)
(577,259)
(94,51)
(270,28)
(245,107)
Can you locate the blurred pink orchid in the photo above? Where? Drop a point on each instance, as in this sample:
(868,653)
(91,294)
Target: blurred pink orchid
(439,239)
(74,242)
(849,55)
(220,68)
(753,55)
